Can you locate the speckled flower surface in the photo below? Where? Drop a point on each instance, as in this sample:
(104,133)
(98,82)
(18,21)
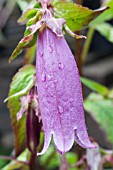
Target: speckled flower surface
(60,94)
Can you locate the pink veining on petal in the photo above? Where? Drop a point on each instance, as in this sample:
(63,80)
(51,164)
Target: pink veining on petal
(60,94)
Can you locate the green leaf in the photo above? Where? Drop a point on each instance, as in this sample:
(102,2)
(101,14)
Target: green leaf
(105,16)
(105,30)
(111,94)
(71,159)
(76,16)
(28,4)
(20,82)
(30,13)
(23,157)
(53,2)
(101,109)
(103,90)
(22,4)
(30,55)
(28,41)
(51,159)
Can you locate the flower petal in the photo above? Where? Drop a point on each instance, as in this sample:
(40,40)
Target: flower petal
(46,143)
(60,92)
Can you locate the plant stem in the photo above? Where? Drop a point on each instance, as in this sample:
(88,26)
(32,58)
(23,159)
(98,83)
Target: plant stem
(32,161)
(78,54)
(78,46)
(87,45)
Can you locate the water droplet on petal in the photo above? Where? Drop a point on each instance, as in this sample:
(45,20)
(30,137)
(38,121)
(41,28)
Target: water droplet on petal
(55,81)
(60,109)
(60,66)
(50,49)
(71,99)
(46,86)
(41,54)
(43,77)
(49,77)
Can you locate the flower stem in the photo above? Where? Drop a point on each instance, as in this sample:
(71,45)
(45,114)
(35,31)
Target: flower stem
(78,46)
(78,54)
(87,45)
(32,161)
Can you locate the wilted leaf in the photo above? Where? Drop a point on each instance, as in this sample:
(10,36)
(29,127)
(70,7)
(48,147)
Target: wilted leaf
(101,109)
(95,86)
(20,82)
(76,16)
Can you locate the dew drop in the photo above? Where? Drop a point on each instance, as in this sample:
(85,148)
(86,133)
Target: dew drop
(41,54)
(55,81)
(60,109)
(43,77)
(46,86)
(50,49)
(60,66)
(71,99)
(49,77)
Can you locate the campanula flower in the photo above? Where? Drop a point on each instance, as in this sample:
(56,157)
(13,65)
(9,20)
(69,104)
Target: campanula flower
(58,85)
(60,93)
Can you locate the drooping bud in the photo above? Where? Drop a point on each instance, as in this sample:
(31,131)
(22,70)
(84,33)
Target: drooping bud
(30,106)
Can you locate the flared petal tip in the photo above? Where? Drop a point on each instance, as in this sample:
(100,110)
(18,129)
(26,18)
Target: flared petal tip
(62,151)
(93,146)
(83,140)
(87,145)
(47,140)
